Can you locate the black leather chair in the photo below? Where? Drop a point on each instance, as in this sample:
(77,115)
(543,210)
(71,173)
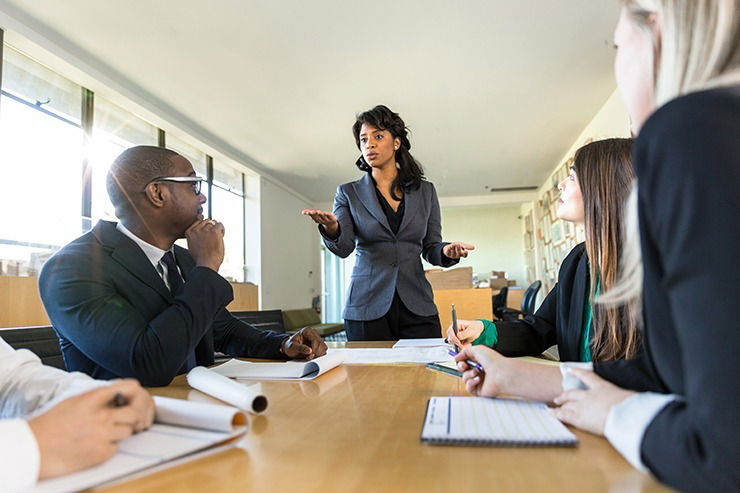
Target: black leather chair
(528,301)
(42,341)
(499,302)
(263,319)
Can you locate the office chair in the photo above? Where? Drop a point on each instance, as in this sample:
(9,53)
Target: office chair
(42,341)
(528,301)
(499,302)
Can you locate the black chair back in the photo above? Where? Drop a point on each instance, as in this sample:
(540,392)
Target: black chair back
(263,319)
(530,297)
(42,341)
(499,302)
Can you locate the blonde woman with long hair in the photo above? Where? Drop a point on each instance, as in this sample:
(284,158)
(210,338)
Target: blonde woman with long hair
(673,411)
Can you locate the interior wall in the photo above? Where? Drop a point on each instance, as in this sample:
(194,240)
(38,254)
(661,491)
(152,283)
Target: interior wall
(291,266)
(496,233)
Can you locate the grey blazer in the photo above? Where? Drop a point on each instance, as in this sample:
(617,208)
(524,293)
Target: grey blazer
(387,263)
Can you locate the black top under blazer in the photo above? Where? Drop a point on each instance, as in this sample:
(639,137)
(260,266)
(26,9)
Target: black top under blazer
(559,320)
(387,262)
(115,317)
(687,162)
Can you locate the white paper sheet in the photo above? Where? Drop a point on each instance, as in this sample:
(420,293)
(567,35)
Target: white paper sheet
(221,387)
(288,370)
(388,356)
(433,342)
(158,444)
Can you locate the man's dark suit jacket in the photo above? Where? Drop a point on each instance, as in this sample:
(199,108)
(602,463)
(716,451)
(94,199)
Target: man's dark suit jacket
(115,316)
(559,320)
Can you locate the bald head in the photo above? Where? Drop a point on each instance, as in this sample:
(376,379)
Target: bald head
(132,170)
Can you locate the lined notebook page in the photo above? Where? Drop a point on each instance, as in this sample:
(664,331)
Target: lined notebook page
(483,421)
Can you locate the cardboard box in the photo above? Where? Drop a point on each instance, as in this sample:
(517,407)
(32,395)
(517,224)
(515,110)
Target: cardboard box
(460,278)
(498,283)
(498,274)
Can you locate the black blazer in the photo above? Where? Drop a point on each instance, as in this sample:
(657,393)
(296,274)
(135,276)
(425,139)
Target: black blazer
(115,316)
(687,162)
(559,320)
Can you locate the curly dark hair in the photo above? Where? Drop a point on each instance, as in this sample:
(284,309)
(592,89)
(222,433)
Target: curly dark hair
(410,172)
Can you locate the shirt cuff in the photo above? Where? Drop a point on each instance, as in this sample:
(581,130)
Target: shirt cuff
(627,421)
(570,381)
(323,233)
(20,458)
(489,336)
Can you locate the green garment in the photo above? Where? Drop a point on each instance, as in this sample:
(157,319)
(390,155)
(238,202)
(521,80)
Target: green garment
(588,318)
(489,336)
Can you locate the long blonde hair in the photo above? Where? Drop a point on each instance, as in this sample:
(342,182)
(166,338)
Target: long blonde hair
(698,48)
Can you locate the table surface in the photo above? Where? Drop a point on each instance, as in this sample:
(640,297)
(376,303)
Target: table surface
(356,428)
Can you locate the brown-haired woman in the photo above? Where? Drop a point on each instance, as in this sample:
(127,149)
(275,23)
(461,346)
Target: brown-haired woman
(593,197)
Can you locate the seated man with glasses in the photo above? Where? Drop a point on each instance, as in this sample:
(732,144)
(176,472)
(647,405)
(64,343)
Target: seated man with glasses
(127,302)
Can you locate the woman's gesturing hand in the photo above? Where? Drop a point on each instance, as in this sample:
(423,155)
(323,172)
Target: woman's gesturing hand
(325,219)
(457,249)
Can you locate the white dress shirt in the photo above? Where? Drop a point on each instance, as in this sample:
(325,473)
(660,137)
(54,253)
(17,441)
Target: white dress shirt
(27,387)
(153,253)
(628,420)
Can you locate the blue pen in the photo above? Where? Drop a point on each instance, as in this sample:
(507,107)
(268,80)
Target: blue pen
(471,363)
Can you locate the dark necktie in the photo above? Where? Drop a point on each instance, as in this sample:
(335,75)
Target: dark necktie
(175,280)
(173,275)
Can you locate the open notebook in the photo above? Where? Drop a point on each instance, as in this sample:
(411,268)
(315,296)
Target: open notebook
(483,421)
(181,428)
(280,370)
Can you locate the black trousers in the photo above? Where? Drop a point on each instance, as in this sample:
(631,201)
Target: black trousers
(398,323)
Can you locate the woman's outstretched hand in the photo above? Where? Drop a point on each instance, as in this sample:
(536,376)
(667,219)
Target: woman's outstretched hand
(456,249)
(325,219)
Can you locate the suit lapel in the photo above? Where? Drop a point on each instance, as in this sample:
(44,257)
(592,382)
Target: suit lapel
(412,202)
(365,189)
(578,305)
(130,256)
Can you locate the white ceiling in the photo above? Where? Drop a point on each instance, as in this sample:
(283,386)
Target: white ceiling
(494,91)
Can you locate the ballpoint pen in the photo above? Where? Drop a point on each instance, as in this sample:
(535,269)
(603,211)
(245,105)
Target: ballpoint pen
(454,323)
(471,363)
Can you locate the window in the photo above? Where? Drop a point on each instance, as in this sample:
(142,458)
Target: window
(114,130)
(41,141)
(196,157)
(43,152)
(228,208)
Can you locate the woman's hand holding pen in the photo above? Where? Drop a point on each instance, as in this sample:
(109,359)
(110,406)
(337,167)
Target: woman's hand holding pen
(94,422)
(491,381)
(325,219)
(455,249)
(467,332)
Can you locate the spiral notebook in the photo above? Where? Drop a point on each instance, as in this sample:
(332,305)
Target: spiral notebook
(483,421)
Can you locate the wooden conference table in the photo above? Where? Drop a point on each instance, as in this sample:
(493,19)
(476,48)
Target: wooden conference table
(356,428)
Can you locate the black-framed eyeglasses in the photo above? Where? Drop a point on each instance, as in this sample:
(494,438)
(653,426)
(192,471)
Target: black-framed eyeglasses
(196,181)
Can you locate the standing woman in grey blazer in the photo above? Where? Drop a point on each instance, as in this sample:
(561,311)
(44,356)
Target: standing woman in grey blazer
(390,216)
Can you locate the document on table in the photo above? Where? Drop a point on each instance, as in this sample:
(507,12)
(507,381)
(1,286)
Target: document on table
(389,356)
(280,370)
(433,342)
(181,428)
(484,421)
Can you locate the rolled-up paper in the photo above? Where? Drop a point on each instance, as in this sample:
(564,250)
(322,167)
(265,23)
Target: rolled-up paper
(227,390)
(201,415)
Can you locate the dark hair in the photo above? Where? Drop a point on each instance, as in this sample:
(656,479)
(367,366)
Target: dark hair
(132,170)
(605,174)
(410,172)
